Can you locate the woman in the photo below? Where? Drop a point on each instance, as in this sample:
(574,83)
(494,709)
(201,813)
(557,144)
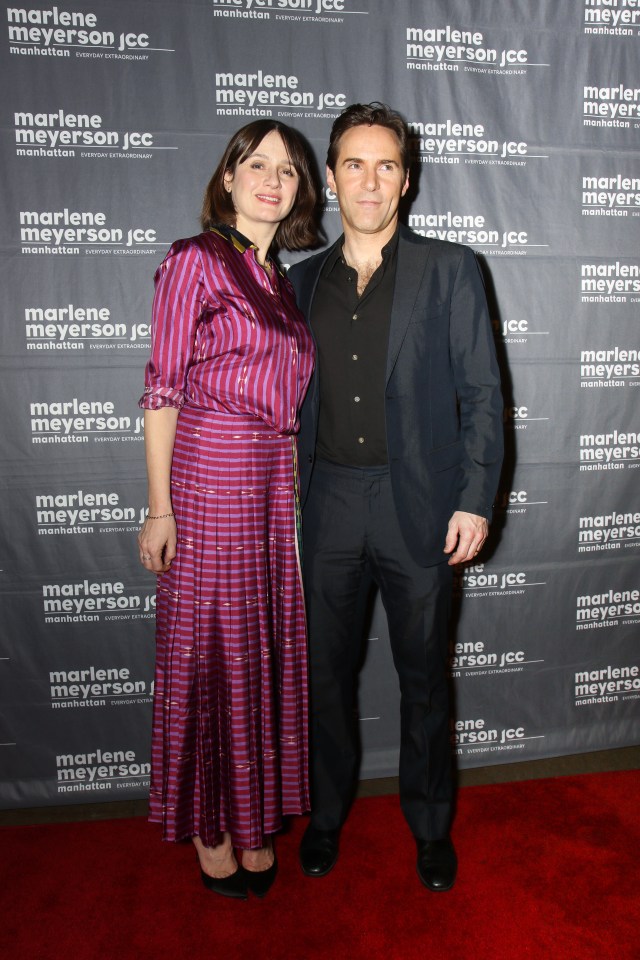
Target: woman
(230,362)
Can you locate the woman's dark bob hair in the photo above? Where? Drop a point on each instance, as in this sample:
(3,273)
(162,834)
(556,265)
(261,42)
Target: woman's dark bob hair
(298,230)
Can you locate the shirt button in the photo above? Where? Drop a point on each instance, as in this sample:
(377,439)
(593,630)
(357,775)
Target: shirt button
(357,399)
(354,356)
(360,439)
(355,316)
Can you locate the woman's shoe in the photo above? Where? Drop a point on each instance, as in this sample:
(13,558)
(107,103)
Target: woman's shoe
(259,882)
(234,885)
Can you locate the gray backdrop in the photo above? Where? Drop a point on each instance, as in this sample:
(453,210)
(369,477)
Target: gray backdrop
(526,116)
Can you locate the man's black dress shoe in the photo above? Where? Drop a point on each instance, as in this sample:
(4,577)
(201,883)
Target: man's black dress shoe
(318,851)
(233,886)
(437,863)
(259,882)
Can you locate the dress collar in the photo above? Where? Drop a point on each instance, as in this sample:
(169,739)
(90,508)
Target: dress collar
(239,241)
(242,243)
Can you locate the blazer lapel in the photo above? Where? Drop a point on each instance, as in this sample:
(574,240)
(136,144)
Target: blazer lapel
(304,296)
(410,268)
(308,289)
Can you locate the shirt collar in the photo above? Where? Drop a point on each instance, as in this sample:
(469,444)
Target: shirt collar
(388,251)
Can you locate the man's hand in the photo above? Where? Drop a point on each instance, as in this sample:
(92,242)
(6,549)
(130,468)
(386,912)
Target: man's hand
(465,535)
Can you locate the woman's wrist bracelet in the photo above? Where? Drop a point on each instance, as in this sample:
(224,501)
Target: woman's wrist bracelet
(160,516)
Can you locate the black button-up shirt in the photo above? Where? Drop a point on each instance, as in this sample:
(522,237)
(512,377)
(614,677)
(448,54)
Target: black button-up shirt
(352,335)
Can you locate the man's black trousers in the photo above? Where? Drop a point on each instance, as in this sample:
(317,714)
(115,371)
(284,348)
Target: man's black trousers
(351,541)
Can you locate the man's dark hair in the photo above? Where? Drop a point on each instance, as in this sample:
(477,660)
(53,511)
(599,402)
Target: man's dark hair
(368,115)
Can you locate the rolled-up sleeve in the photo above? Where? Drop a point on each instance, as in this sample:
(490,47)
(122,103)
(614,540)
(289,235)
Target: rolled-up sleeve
(178,304)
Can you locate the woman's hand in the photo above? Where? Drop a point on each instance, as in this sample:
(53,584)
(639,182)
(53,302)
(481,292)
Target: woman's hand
(157,542)
(157,538)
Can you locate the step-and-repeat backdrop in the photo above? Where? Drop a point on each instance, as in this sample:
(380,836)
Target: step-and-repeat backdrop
(525,118)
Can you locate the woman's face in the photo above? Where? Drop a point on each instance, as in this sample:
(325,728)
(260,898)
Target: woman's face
(264,186)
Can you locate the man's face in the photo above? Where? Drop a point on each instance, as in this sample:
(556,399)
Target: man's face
(369,179)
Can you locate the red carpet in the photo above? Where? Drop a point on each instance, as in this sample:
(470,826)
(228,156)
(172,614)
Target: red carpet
(548,870)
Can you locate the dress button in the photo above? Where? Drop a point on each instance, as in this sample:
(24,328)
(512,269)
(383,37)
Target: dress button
(354,356)
(357,399)
(355,316)
(360,439)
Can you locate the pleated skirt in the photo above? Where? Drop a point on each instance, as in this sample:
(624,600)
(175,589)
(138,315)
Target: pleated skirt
(230,735)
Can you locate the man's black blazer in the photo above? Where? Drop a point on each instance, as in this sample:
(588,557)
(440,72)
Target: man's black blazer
(443,405)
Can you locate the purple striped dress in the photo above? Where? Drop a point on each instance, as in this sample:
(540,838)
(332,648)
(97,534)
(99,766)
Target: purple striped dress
(230,742)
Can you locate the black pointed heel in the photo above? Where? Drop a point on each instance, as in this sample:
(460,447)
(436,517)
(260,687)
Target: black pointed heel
(260,882)
(233,886)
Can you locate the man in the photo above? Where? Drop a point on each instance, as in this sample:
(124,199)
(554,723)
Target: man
(400,452)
